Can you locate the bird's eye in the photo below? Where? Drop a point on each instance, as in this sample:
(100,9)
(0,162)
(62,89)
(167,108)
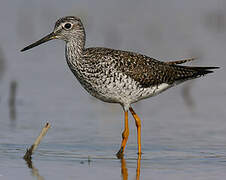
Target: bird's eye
(67,26)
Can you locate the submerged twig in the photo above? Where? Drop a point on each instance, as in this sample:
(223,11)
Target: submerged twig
(34,146)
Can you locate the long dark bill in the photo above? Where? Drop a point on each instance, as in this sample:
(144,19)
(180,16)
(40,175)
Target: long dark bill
(43,40)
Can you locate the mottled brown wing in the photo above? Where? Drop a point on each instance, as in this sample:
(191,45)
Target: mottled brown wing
(145,70)
(148,71)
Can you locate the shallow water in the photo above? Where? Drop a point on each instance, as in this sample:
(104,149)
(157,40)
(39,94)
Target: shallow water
(183,129)
(85,149)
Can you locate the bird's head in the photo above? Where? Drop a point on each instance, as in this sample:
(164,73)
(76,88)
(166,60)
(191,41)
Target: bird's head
(66,28)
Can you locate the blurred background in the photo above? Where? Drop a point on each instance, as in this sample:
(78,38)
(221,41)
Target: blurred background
(183,129)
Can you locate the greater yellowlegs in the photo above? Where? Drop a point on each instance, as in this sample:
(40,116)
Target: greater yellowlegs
(117,76)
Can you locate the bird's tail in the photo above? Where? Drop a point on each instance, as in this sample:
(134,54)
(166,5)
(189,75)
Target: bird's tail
(203,70)
(191,72)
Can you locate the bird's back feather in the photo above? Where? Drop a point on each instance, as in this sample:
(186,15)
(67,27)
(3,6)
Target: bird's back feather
(145,70)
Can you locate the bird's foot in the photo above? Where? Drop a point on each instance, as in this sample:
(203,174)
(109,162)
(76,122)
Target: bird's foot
(139,154)
(120,153)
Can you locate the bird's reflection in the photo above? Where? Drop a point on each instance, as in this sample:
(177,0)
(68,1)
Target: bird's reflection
(34,170)
(124,170)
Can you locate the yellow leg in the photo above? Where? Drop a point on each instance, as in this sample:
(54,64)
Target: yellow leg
(125,136)
(138,124)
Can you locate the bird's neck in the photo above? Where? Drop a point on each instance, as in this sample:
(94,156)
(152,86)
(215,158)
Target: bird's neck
(75,50)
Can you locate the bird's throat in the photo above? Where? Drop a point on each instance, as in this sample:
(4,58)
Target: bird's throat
(74,51)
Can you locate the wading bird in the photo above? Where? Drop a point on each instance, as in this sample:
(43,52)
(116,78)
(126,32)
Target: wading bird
(117,76)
